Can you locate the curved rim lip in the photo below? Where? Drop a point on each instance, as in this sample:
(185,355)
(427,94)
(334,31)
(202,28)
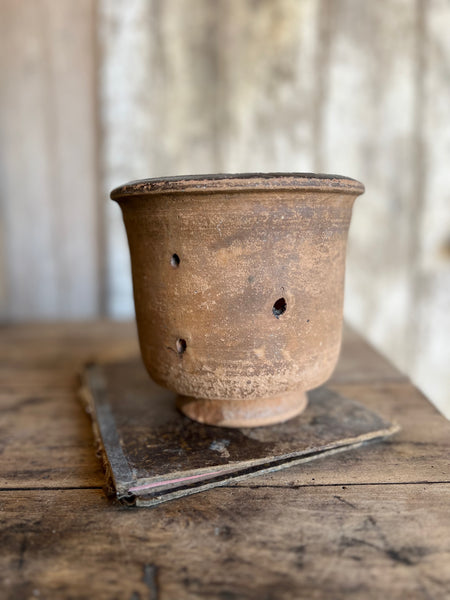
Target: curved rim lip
(238,182)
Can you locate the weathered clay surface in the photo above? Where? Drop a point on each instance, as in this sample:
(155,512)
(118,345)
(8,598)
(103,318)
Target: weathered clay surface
(245,412)
(238,284)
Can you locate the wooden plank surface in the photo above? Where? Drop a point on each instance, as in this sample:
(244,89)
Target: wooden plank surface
(365,524)
(362,542)
(39,366)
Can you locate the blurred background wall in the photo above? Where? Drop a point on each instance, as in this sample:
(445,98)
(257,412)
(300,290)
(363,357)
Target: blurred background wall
(95,93)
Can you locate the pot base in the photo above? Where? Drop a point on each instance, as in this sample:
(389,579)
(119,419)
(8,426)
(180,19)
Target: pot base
(246,412)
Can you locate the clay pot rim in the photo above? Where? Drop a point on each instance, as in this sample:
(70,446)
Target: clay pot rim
(238,182)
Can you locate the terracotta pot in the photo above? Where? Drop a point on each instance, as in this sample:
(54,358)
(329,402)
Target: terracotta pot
(238,288)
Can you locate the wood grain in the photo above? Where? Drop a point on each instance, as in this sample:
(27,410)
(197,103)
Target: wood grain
(370,95)
(39,368)
(324,542)
(96,94)
(418,453)
(48,189)
(364,525)
(432,252)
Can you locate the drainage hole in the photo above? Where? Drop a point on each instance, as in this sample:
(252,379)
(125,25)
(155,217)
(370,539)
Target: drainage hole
(181,346)
(279,307)
(175,261)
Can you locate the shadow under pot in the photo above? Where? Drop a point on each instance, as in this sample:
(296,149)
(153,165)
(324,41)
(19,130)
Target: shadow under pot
(238,288)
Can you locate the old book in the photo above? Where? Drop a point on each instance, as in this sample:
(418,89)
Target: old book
(152,453)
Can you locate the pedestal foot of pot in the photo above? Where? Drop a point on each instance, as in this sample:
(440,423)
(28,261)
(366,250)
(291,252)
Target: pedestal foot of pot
(246,412)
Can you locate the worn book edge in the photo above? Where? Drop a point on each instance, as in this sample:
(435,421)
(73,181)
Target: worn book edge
(150,491)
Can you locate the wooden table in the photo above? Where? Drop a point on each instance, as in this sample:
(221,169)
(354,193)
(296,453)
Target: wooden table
(370,523)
